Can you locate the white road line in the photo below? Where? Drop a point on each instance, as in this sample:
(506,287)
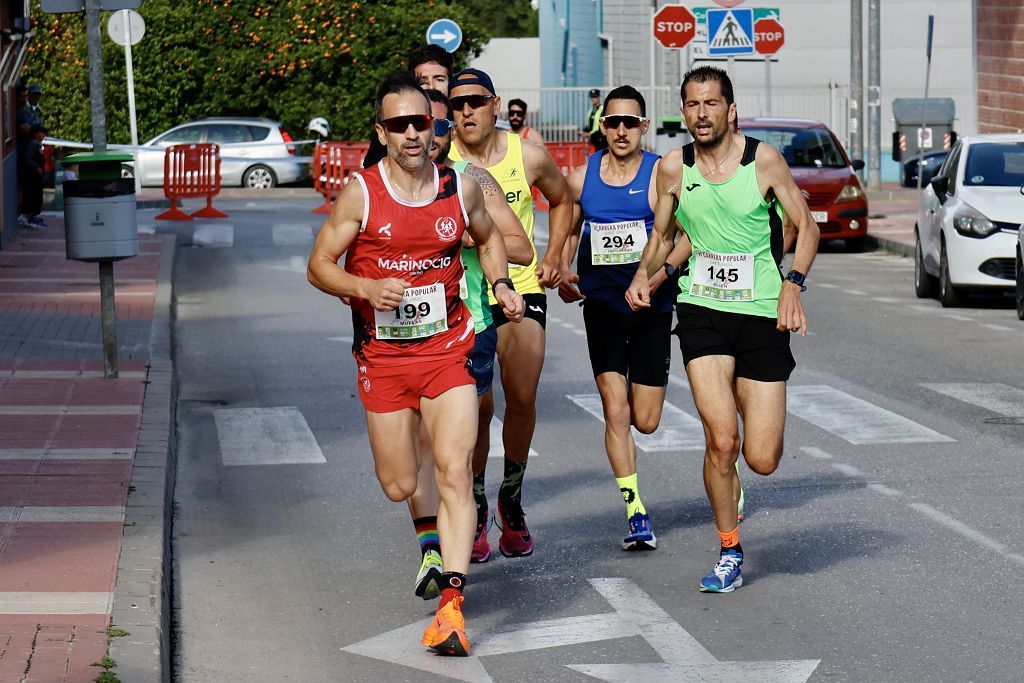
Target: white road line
(66,454)
(71,513)
(856,292)
(967,532)
(24,602)
(885,299)
(582,333)
(884,490)
(497,445)
(921,308)
(846,469)
(998,328)
(854,419)
(999,398)
(265,436)
(958,318)
(678,431)
(827,285)
(816,452)
(70,410)
(218,236)
(291,234)
(343,340)
(74,374)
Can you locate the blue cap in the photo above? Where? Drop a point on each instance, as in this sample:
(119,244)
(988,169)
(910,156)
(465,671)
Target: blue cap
(34,88)
(472,77)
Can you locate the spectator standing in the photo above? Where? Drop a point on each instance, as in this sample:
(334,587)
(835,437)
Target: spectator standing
(592,128)
(32,200)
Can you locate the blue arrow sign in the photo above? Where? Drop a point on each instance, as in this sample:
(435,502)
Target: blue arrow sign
(730,32)
(446,33)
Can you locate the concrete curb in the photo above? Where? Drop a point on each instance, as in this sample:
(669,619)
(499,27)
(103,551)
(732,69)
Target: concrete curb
(891,246)
(142,594)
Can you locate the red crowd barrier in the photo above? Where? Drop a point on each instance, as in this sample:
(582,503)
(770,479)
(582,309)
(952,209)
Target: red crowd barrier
(568,156)
(334,164)
(191,171)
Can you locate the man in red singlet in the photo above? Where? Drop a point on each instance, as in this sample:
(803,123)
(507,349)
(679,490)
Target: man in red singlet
(399,227)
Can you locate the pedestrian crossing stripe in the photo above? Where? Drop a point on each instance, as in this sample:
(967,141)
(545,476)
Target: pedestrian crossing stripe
(678,431)
(497,450)
(731,32)
(998,398)
(217,236)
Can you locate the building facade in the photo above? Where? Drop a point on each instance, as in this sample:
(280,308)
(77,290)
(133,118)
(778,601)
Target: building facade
(1000,61)
(14,39)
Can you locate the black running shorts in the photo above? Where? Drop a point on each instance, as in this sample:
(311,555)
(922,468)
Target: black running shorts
(536,308)
(761,351)
(636,346)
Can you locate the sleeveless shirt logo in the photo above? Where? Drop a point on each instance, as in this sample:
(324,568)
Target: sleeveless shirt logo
(691,188)
(384,232)
(446,227)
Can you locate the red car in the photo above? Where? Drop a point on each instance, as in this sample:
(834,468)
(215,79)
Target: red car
(825,175)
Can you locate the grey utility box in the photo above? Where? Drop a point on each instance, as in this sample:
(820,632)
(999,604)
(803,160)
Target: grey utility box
(922,130)
(99,209)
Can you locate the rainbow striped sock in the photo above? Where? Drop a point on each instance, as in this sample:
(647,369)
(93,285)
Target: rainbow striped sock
(426,534)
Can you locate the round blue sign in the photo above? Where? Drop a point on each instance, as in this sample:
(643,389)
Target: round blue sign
(446,33)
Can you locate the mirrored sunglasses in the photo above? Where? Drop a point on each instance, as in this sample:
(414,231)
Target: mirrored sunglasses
(518,113)
(442,126)
(400,124)
(628,120)
(474,101)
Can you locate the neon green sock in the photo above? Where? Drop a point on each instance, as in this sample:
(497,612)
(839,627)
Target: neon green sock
(631,494)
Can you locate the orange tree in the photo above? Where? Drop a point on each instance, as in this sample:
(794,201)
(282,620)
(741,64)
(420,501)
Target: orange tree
(290,60)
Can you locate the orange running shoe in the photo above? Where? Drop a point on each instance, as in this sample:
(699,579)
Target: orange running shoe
(447,633)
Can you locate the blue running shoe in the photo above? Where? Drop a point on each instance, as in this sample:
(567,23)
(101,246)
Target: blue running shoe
(641,535)
(725,577)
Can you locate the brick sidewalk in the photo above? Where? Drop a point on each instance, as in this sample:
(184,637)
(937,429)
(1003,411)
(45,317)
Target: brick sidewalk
(68,443)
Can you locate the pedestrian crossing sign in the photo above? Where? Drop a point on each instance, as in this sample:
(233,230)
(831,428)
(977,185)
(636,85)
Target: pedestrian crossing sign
(730,32)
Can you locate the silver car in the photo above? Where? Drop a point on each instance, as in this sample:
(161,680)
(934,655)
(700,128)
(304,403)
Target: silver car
(252,150)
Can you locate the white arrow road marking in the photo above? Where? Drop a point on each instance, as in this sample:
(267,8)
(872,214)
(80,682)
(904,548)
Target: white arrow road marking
(497,445)
(678,431)
(854,419)
(635,615)
(685,659)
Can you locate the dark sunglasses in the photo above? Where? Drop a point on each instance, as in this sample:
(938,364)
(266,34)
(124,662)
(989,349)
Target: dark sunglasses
(627,120)
(400,124)
(516,112)
(442,126)
(474,101)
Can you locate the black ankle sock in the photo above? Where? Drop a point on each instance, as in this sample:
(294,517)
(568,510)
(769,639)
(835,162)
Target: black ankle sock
(480,497)
(737,548)
(511,490)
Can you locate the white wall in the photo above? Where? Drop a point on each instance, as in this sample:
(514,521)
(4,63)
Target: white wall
(512,63)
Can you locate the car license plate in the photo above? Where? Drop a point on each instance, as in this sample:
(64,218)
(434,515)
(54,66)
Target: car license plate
(820,216)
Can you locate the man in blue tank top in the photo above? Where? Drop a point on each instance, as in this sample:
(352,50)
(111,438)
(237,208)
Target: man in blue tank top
(629,351)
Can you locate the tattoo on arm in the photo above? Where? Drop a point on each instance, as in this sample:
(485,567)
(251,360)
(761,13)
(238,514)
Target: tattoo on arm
(486,181)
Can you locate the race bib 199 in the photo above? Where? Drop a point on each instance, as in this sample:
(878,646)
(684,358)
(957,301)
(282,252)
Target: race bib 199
(723,277)
(617,243)
(421,313)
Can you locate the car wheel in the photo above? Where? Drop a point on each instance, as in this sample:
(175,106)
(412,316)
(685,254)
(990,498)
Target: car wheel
(855,245)
(924,284)
(127,171)
(949,297)
(259,177)
(1020,286)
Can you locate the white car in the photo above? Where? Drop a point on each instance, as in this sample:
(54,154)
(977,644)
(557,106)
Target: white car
(253,152)
(1020,269)
(969,220)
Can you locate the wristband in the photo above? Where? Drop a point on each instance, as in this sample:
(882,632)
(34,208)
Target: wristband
(797,278)
(502,281)
(670,269)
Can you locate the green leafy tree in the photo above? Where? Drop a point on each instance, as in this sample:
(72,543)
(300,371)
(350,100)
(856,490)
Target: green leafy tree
(290,60)
(506,18)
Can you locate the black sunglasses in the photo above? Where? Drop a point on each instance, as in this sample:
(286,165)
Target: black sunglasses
(442,126)
(400,124)
(516,112)
(474,101)
(628,120)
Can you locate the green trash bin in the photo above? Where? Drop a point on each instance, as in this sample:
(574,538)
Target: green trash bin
(99,209)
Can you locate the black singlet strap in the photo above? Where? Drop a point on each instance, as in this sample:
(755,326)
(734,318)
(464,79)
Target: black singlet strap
(749,150)
(688,156)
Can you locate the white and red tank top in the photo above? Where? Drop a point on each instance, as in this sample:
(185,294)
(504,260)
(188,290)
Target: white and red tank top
(419,242)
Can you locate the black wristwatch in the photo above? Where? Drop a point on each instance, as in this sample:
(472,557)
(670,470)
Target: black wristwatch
(797,278)
(502,281)
(670,270)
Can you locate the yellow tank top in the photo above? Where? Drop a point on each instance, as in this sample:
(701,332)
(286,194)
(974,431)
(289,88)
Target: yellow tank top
(511,175)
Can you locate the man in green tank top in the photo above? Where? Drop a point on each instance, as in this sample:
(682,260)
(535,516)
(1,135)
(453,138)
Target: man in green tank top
(735,308)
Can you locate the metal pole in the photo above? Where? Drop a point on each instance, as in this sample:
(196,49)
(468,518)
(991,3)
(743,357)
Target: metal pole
(924,109)
(856,79)
(108,314)
(768,84)
(874,96)
(130,73)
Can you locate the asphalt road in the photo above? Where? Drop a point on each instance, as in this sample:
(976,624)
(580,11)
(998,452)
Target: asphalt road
(887,546)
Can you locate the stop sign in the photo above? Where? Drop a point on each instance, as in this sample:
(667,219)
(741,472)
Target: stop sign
(769,36)
(728,3)
(674,25)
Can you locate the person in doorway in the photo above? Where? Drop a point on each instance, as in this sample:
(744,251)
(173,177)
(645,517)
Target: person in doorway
(34,172)
(517,165)
(399,228)
(735,308)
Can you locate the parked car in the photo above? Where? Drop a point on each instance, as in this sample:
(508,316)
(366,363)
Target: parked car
(1019,267)
(824,173)
(968,224)
(253,152)
(927,163)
